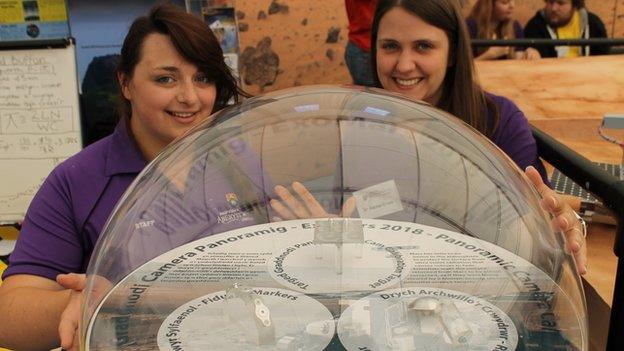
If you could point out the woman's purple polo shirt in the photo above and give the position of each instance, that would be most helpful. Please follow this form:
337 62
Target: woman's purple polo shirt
66 216
514 136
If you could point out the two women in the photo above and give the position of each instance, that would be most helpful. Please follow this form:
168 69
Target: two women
172 77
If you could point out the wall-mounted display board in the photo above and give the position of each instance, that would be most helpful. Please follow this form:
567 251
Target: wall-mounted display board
39 121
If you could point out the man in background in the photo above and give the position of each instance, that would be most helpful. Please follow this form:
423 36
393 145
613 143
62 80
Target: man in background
357 53
566 19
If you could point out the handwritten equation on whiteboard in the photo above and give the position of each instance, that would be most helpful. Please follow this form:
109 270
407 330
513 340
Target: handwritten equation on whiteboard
39 122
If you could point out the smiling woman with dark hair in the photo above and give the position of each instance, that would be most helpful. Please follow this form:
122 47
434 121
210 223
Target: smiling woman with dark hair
171 77
421 48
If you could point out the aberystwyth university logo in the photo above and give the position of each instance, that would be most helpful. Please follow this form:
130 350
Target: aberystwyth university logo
236 211
232 199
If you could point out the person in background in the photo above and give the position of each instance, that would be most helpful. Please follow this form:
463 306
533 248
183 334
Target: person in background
493 19
566 19
357 52
171 77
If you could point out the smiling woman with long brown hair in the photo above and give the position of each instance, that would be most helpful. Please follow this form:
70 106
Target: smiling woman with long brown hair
421 48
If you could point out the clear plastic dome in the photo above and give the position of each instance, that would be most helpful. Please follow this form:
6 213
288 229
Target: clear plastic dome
429 237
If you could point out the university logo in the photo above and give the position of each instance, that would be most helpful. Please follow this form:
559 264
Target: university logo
232 199
235 214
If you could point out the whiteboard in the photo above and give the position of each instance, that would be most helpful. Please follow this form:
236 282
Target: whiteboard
39 122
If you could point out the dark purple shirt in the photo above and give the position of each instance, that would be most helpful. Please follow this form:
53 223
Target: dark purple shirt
68 213
514 136
66 216
473 30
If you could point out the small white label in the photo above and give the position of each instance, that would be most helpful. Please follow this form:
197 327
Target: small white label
306 108
376 111
378 200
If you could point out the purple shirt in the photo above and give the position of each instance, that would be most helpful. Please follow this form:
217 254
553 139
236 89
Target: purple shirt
68 213
214 197
514 135
70 209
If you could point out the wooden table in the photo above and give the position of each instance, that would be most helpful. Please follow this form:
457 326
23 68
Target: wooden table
567 99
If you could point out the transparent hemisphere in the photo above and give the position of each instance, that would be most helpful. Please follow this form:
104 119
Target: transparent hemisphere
332 218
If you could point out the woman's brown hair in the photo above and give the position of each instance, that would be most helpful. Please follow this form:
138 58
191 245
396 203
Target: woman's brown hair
482 13
461 94
192 38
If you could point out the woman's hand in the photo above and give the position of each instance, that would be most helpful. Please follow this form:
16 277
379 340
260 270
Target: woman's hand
494 53
564 219
303 204
68 326
70 318
532 54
